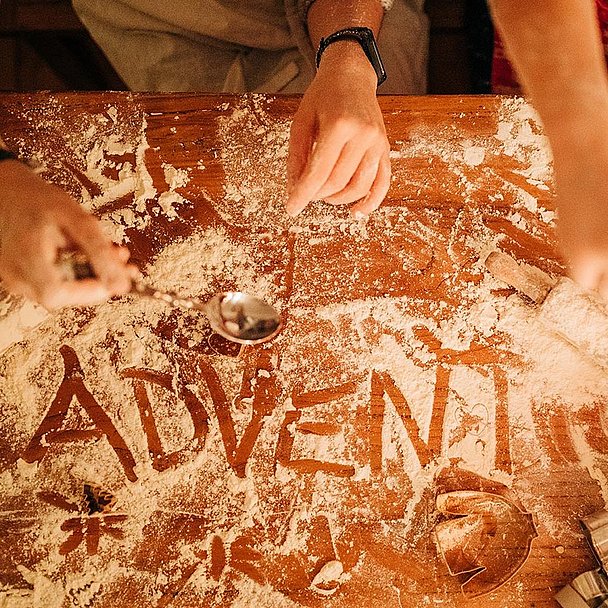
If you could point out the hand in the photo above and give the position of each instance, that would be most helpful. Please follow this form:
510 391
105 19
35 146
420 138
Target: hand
338 149
38 221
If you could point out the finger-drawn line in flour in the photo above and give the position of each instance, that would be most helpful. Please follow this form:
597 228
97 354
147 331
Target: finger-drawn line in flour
161 460
50 431
262 396
89 530
239 555
559 428
264 400
485 358
87 527
301 401
381 384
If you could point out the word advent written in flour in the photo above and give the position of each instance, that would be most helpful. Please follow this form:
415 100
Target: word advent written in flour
73 387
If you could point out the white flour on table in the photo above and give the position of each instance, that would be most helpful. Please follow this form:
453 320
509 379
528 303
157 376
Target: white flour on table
352 342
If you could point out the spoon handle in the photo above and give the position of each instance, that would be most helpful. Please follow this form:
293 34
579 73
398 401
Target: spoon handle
141 288
236 316
79 269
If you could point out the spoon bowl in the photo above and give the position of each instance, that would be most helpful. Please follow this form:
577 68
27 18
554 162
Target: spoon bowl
242 318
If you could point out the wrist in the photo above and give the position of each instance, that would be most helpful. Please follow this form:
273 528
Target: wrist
578 127
347 57
15 177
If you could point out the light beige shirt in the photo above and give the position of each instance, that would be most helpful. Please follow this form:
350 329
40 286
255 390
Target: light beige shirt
238 45
260 24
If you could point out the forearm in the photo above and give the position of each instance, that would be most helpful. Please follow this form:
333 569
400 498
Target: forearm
9 168
328 16
556 49
338 149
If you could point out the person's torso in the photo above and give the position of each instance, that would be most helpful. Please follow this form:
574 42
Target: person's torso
251 23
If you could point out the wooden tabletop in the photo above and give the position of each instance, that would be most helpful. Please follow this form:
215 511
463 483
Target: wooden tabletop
145 461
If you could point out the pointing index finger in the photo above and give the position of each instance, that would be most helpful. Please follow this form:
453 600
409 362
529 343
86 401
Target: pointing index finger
319 167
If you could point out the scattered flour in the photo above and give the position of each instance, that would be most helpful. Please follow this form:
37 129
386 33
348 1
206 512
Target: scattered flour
260 475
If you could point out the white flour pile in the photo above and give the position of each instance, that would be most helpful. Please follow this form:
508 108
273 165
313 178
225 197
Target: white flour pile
104 165
310 466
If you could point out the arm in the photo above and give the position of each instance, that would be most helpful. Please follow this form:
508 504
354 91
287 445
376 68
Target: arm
338 147
37 221
556 49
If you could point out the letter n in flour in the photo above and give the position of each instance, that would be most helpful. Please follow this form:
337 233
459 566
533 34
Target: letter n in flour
383 384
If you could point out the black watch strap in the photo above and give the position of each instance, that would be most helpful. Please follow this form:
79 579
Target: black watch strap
365 37
7 155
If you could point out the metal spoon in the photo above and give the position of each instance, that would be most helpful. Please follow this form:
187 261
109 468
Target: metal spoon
234 315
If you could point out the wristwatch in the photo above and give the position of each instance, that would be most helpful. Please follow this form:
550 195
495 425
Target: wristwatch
365 37
35 165
6 155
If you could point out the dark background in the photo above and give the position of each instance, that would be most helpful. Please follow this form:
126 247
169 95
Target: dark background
43 46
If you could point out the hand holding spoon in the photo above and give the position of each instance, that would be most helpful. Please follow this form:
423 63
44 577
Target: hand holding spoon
234 315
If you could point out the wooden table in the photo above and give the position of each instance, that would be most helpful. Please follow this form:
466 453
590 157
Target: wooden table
147 462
